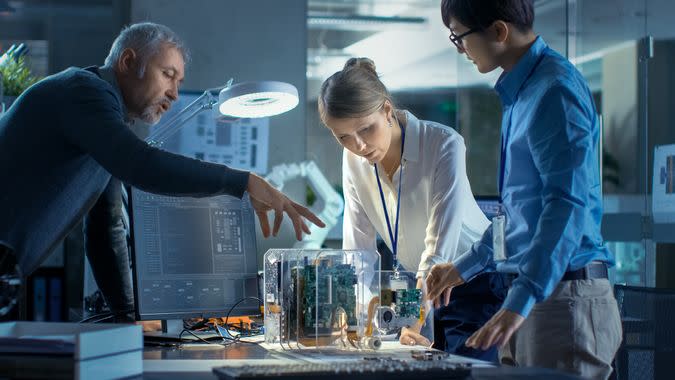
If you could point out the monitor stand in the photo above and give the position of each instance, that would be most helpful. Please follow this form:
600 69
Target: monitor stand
171 332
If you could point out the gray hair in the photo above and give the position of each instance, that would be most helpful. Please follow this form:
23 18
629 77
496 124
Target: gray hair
146 39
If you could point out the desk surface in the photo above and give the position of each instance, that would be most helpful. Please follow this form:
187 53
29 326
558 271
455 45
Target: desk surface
196 362
202 352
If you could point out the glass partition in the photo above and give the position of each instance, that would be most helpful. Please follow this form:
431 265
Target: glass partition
629 75
623 47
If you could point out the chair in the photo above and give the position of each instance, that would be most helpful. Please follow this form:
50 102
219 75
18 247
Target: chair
648 347
10 283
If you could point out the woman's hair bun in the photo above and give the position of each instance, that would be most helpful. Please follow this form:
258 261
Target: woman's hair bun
361 63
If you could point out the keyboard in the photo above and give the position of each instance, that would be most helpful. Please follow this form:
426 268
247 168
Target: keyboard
375 369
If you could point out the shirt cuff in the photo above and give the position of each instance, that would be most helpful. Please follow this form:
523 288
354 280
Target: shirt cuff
519 300
421 274
468 265
425 266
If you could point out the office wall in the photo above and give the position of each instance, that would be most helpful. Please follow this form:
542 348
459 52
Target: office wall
76 35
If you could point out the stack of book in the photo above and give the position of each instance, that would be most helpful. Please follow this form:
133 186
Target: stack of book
70 350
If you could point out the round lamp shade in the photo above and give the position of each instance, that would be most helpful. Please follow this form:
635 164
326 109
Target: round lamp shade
257 99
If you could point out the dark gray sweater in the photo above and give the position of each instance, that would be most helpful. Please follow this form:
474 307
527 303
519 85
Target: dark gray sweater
59 144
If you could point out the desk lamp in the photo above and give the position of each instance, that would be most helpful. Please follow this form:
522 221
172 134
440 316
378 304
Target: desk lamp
241 100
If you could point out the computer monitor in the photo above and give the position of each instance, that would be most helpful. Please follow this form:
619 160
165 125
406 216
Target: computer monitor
489 204
192 257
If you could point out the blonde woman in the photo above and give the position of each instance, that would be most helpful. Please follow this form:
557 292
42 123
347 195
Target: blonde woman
405 179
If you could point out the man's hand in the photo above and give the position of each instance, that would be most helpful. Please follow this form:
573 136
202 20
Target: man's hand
440 281
264 197
497 331
411 336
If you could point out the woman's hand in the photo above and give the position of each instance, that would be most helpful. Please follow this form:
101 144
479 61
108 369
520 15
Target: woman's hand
410 336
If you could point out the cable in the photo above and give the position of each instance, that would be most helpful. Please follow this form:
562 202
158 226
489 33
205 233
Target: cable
227 316
203 323
180 337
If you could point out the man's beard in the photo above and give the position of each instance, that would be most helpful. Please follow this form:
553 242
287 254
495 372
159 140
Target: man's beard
152 114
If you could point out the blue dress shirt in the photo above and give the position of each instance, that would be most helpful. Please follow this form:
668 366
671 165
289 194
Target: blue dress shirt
550 184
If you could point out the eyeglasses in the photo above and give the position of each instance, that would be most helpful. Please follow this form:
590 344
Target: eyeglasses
457 40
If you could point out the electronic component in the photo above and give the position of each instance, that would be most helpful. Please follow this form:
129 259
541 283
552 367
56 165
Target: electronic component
408 303
321 298
325 301
402 305
400 308
429 355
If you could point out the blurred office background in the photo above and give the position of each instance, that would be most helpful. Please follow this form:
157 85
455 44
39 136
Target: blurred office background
622 47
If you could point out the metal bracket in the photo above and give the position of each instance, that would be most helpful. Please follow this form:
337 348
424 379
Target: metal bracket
646 48
647 227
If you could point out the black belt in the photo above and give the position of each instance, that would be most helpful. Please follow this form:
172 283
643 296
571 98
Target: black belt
593 270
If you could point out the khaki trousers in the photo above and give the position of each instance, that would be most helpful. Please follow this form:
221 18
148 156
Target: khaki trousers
577 330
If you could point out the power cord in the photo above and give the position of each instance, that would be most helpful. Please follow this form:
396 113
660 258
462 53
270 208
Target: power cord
230 339
180 337
227 316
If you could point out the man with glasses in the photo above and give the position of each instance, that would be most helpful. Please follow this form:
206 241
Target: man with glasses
560 311
457 40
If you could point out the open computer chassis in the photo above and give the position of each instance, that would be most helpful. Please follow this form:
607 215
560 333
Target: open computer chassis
335 298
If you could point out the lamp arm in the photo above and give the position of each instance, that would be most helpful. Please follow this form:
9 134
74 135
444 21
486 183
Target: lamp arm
205 101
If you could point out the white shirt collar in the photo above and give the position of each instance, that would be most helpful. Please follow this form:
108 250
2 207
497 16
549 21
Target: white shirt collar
411 150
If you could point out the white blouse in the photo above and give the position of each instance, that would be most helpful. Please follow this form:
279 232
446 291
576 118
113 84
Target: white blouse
439 218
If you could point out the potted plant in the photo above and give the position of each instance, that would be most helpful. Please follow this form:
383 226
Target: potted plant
16 78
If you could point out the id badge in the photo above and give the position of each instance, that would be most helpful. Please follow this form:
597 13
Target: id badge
398 283
498 238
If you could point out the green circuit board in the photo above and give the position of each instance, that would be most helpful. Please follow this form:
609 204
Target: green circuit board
408 303
325 297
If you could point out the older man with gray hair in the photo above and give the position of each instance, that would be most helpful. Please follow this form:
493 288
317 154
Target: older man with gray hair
65 146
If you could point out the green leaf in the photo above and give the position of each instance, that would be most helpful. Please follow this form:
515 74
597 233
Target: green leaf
16 76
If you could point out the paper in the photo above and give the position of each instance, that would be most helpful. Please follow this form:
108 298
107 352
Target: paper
209 136
498 238
663 184
59 345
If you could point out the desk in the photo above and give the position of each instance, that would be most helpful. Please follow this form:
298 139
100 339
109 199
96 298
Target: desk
197 362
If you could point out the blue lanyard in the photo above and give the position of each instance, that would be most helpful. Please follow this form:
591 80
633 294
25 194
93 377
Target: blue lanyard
393 237
506 129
